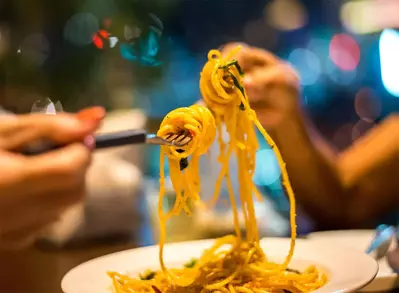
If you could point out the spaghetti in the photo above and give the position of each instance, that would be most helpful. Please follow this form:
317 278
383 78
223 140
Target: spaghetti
235 263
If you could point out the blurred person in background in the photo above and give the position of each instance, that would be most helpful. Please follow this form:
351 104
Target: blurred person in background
35 190
348 189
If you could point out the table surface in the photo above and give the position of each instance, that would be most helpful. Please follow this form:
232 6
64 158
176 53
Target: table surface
40 271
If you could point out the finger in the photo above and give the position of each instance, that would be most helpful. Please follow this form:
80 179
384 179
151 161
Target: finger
62 128
92 113
231 46
250 57
257 81
227 48
57 170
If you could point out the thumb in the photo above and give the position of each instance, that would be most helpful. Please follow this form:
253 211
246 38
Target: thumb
61 129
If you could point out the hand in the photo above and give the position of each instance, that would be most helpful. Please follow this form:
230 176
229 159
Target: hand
271 84
35 190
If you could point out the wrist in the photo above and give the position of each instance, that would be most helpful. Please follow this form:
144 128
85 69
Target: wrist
291 123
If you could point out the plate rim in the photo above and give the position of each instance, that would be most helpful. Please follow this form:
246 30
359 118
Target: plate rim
65 287
383 282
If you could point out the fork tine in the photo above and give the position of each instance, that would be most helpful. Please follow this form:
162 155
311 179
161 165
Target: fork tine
180 139
185 140
171 136
167 137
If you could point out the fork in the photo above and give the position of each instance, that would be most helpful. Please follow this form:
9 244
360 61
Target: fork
381 241
121 138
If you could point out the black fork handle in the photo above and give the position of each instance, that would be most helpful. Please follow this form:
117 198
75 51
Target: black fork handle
102 141
121 138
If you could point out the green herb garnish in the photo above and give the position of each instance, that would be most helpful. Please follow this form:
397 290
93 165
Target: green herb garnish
235 80
235 64
191 263
183 164
148 275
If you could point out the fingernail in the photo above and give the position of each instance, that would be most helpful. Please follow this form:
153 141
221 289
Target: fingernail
92 113
88 125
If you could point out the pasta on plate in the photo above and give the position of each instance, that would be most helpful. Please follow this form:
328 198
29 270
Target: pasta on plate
235 263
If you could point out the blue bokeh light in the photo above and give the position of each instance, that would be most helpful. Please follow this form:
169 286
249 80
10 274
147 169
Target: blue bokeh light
307 64
267 170
339 76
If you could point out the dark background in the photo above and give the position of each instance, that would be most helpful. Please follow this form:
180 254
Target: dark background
51 49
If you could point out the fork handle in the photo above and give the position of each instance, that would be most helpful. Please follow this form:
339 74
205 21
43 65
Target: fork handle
102 141
120 138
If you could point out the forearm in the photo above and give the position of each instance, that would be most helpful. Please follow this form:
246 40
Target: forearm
312 168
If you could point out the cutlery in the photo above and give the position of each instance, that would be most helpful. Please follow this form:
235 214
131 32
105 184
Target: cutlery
121 138
381 241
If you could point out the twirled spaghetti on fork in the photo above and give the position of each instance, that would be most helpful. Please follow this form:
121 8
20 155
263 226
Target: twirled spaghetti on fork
234 264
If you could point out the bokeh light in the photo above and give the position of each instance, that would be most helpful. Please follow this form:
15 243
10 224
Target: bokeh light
360 128
276 185
35 49
58 107
107 22
143 48
307 64
389 60
343 136
320 47
267 170
80 28
131 32
367 104
99 38
286 15
344 52
113 41
45 106
340 77
369 16
158 25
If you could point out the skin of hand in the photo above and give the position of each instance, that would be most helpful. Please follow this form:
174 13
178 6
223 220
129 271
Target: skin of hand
35 190
339 190
267 77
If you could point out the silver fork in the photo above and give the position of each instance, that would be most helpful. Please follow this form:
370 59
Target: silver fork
172 139
121 138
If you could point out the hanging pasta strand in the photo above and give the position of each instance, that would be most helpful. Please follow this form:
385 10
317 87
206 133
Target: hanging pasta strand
234 264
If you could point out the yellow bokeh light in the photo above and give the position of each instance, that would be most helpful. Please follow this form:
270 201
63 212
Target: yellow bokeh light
370 16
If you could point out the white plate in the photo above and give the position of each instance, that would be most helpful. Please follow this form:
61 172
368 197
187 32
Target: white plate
347 269
386 279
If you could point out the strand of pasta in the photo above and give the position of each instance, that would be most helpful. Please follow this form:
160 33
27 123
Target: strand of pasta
221 88
231 265
199 122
